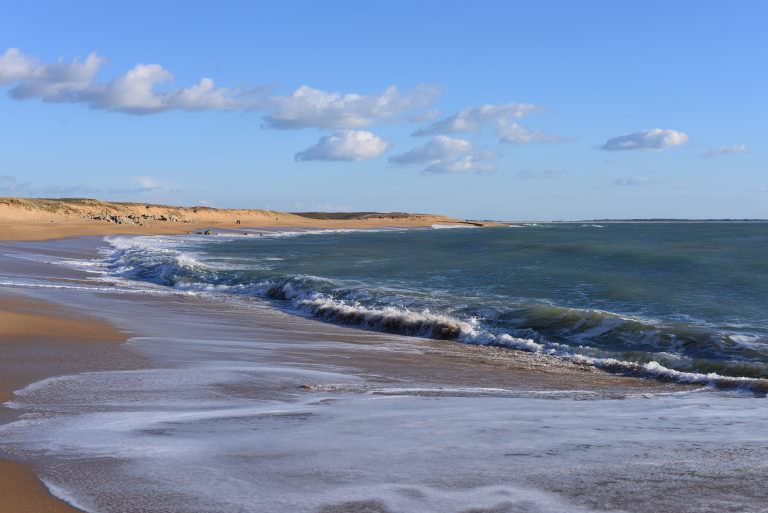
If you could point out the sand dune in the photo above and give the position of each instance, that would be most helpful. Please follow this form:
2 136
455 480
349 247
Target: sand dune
41 219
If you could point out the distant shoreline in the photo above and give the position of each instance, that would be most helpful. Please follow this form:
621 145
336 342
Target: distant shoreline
659 221
34 219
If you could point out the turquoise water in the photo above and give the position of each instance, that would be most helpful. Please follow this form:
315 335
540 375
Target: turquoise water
690 297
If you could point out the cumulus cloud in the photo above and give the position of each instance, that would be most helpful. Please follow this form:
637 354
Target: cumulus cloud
633 181
446 155
474 162
58 82
134 92
439 148
15 66
726 150
148 89
473 119
345 145
307 107
653 139
500 117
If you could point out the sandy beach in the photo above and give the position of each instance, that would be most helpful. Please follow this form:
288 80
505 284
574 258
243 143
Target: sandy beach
39 340
25 219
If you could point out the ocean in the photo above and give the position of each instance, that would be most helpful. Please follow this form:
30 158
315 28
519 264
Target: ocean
276 374
670 300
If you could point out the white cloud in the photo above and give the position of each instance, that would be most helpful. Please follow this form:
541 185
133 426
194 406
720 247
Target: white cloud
474 162
517 134
134 92
307 107
500 117
726 150
15 66
60 81
653 139
633 181
345 145
473 119
447 155
439 148
145 89
204 96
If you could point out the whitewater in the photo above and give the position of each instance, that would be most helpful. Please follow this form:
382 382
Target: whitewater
626 298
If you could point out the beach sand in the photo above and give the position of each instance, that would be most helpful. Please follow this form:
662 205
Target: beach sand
39 340
24 219
22 492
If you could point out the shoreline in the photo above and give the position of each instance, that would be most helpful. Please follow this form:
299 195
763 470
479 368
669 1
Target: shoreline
29 219
360 364
40 340
435 355
22 491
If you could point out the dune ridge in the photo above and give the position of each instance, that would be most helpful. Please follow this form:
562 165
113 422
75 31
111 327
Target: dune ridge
48 218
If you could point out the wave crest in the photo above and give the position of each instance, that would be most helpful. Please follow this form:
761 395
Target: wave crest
588 336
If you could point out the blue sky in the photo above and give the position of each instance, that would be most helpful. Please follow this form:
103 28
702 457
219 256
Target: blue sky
524 110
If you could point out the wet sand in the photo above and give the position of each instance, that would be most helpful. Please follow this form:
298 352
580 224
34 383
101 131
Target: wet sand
22 492
39 340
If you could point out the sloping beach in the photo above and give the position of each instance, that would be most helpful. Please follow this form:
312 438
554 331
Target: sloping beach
39 340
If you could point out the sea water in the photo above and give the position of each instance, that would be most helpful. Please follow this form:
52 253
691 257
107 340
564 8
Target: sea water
661 297
223 421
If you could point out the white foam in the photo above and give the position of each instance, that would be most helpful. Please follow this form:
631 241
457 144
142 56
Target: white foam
413 449
452 226
423 322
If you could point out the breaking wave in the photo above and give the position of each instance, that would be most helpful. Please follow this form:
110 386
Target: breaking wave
612 342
